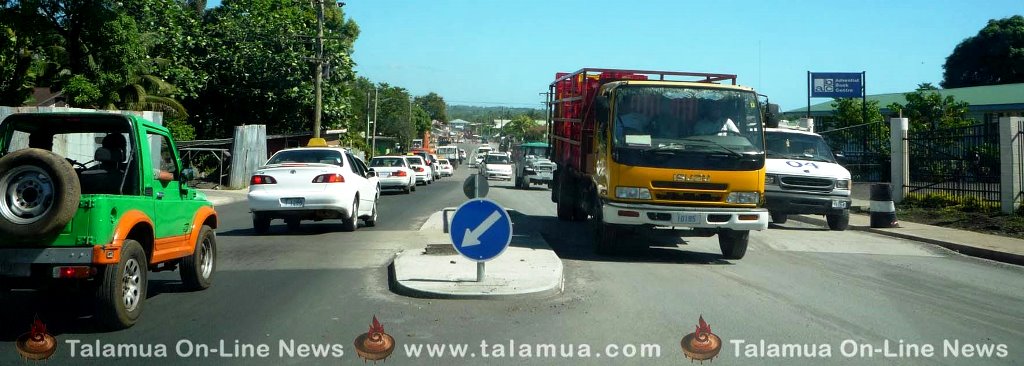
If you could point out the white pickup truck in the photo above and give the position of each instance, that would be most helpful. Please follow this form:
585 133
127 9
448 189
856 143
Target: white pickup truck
804 178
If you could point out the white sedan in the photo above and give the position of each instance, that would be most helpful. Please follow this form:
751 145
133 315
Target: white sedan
424 173
394 172
446 168
313 183
497 166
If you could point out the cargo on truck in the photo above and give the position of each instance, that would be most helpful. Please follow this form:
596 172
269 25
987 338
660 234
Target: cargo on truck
646 149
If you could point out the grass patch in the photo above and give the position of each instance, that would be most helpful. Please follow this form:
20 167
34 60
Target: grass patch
960 212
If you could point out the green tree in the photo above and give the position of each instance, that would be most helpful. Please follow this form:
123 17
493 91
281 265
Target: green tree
927 109
434 105
994 56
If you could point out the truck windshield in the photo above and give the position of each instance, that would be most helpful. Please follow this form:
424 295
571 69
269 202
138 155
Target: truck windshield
786 145
667 127
660 117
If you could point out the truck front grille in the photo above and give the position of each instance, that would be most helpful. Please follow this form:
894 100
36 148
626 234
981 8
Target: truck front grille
690 185
688 196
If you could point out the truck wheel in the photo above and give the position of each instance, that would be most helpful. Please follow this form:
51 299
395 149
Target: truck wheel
351 223
197 269
779 218
122 288
39 193
838 222
565 204
733 243
605 237
260 223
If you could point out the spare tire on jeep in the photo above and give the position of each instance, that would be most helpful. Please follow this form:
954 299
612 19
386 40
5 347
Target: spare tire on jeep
39 193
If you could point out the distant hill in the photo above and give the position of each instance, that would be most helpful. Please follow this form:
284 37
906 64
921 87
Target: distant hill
478 114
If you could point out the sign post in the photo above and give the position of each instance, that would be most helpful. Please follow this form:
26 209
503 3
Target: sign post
481 230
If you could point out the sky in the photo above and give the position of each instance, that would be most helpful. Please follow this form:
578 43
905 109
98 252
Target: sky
507 52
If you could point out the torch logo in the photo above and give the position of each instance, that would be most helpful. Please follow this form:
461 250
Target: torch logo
701 344
36 344
374 345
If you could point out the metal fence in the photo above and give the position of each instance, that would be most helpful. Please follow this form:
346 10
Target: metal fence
960 163
864 150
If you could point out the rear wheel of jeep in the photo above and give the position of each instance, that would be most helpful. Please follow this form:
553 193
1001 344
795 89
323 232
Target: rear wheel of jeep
197 269
122 288
39 193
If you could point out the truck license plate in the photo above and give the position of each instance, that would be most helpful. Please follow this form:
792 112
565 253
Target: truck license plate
838 204
293 202
688 218
545 175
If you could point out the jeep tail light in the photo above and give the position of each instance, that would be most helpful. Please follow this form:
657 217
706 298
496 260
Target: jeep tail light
329 178
400 173
73 272
262 179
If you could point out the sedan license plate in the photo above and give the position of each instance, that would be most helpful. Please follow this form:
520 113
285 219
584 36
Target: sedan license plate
293 202
384 174
688 218
838 204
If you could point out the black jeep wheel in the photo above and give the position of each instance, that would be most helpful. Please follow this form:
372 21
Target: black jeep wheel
197 269
39 193
122 288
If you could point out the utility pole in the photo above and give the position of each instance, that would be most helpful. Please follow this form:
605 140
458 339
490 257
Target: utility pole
373 143
368 118
318 81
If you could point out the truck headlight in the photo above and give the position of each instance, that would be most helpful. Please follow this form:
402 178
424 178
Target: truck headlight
769 179
743 197
842 183
632 193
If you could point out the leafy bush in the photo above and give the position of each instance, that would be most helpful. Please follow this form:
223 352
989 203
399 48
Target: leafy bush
181 130
950 202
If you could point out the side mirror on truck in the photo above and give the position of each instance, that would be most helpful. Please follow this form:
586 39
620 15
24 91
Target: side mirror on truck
601 102
772 116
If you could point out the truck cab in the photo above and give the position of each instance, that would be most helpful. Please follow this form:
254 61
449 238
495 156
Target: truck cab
646 149
803 177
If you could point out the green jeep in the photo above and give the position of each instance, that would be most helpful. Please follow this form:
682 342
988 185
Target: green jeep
95 201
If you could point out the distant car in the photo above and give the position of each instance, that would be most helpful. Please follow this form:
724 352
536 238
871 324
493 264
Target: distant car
476 161
435 163
497 166
313 183
424 173
394 172
446 168
462 156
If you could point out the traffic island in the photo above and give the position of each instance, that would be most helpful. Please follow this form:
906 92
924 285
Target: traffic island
517 272
527 267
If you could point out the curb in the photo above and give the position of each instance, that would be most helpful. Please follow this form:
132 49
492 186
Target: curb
956 247
398 288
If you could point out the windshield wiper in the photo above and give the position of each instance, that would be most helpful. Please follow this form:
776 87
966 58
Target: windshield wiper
723 147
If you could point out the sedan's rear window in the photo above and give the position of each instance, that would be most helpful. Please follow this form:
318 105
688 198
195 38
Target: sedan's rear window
496 159
387 162
308 157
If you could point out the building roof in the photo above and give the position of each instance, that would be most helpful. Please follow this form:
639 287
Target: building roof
43 97
535 144
458 122
978 97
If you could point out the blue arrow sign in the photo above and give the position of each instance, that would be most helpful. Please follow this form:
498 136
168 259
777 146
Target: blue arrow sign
481 229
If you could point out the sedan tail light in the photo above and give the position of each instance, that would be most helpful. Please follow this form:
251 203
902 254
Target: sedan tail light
262 179
400 173
419 169
329 178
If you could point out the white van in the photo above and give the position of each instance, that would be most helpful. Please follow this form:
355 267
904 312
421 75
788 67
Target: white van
804 178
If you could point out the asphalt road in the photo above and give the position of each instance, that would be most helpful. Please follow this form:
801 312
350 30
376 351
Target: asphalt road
798 284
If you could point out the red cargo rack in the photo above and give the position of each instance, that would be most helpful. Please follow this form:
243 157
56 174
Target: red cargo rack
571 126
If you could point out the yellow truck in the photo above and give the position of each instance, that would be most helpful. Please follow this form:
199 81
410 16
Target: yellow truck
647 149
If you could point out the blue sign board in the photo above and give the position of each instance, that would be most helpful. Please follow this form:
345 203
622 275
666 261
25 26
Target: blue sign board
481 229
836 84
